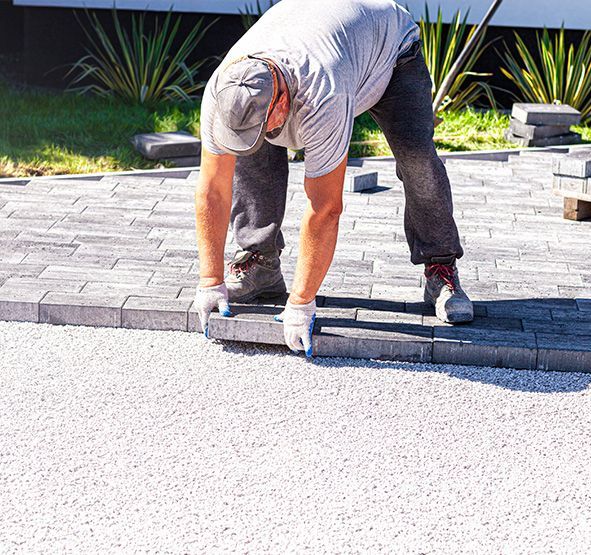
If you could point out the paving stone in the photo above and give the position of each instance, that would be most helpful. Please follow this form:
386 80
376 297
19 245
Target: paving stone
8 271
371 340
81 309
120 252
357 180
566 185
249 323
336 301
150 291
462 345
537 131
564 353
574 164
155 313
20 306
78 261
479 323
184 161
554 327
96 274
16 284
545 114
156 146
387 317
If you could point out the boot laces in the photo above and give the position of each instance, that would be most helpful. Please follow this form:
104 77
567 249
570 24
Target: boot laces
240 268
444 272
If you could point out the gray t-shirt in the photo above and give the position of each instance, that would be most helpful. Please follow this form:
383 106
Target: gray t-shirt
337 57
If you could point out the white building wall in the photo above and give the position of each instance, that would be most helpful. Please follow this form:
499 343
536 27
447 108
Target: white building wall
575 14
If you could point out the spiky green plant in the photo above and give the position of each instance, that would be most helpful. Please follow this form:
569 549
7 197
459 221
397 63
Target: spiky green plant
441 49
143 66
554 72
253 13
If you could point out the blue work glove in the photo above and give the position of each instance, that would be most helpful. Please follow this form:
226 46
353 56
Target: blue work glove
298 324
209 298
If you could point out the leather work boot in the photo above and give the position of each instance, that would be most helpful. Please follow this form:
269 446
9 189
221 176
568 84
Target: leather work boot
253 275
443 291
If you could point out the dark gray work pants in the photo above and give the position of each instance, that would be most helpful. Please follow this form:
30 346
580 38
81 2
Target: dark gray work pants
405 116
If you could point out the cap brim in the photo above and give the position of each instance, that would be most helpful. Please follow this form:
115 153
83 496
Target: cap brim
242 143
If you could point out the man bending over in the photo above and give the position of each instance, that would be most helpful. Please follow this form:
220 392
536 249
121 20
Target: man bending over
297 79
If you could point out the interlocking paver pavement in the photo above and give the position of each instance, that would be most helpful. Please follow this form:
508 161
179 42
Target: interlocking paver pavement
120 251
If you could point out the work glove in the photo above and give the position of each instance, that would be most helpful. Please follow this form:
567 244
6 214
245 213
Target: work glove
298 324
209 298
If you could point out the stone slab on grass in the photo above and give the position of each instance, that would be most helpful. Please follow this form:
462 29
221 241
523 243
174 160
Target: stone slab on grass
526 131
184 161
567 139
545 114
158 146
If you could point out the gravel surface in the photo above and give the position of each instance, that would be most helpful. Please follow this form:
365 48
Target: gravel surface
118 441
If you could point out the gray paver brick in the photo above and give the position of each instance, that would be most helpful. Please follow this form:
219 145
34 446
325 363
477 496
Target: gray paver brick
252 324
152 291
16 284
21 305
81 309
553 327
462 345
564 353
96 274
371 341
155 313
357 180
575 164
545 114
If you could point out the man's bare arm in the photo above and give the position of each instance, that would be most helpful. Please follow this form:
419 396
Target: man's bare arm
318 234
213 202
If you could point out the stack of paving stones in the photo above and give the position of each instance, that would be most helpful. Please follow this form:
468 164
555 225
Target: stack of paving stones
572 181
120 252
540 125
180 149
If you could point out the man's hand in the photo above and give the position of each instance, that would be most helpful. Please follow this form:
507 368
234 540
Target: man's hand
298 324
209 298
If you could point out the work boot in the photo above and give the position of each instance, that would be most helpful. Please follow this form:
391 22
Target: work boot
443 291
253 275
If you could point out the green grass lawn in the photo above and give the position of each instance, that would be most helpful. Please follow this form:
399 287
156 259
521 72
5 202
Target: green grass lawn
47 134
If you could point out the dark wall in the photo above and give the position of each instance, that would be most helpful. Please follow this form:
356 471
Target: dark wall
54 39
50 39
11 28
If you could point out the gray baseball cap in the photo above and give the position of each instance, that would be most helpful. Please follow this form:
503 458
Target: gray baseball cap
244 92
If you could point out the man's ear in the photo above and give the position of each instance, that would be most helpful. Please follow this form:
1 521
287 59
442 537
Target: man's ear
283 102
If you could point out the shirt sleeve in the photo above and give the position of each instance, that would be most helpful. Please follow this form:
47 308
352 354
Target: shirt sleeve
326 134
206 118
